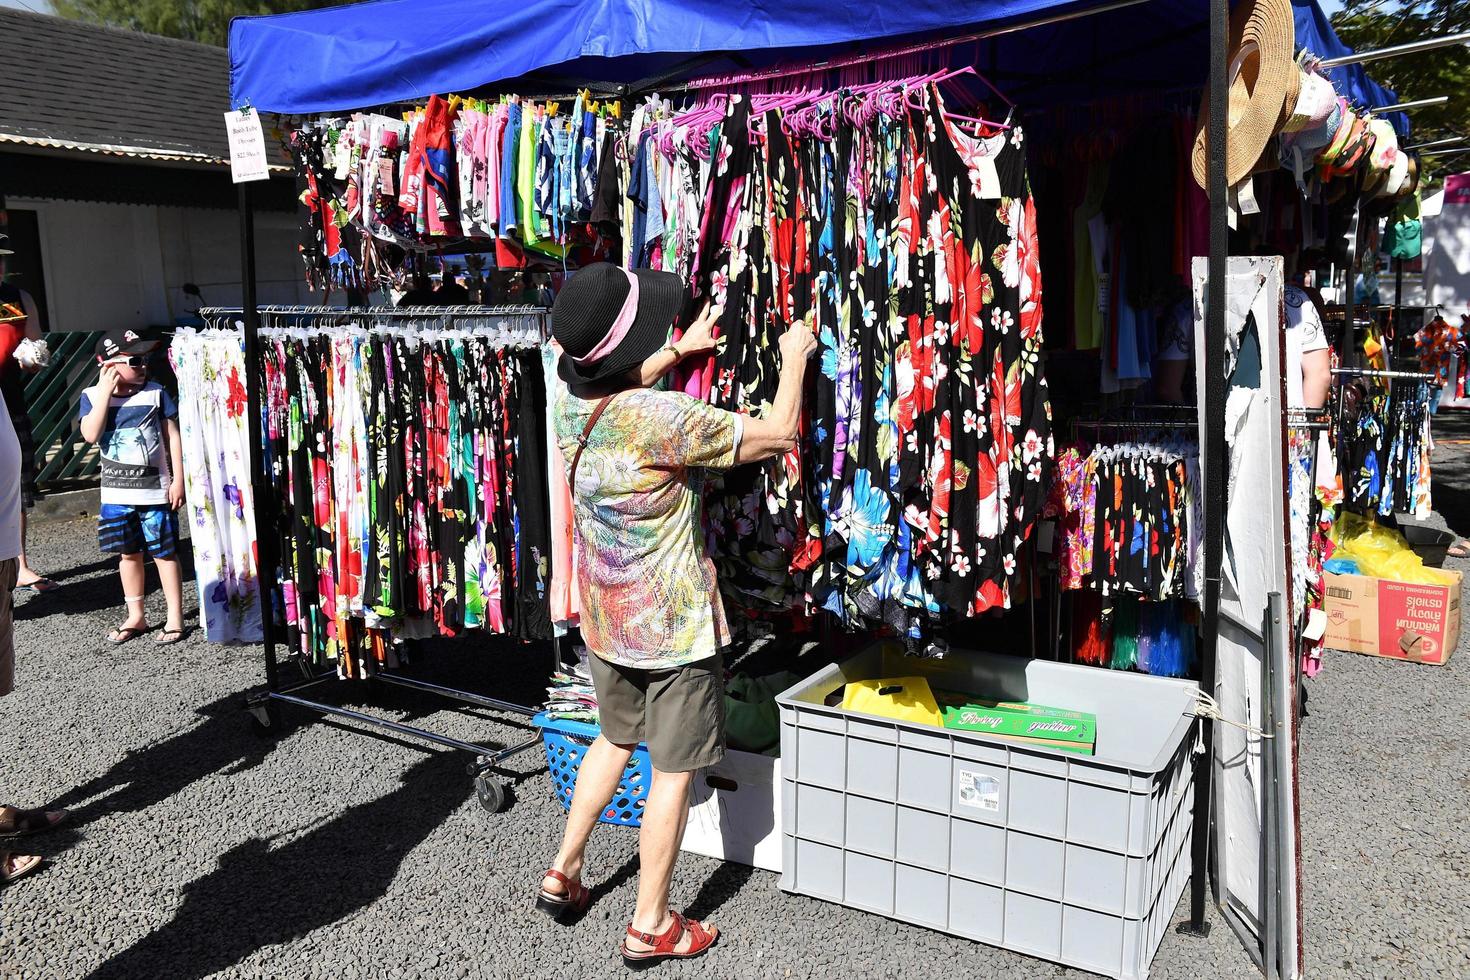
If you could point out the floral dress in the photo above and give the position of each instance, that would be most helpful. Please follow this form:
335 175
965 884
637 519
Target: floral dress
409 479
909 249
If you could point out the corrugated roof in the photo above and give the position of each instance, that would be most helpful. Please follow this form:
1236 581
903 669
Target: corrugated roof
71 86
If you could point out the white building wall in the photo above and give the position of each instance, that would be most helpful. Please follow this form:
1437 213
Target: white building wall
124 265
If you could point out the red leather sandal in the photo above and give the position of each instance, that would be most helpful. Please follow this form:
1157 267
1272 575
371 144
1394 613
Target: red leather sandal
664 946
564 907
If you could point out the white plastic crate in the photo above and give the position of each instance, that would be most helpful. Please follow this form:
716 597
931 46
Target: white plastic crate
1075 859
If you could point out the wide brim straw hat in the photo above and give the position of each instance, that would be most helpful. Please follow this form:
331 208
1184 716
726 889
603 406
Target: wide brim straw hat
1263 75
608 319
1270 154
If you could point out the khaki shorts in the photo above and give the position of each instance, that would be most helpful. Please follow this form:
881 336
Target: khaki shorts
679 713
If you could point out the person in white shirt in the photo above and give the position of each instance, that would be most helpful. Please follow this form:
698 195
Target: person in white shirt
14 822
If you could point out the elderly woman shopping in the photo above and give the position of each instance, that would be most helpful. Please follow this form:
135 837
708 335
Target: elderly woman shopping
651 611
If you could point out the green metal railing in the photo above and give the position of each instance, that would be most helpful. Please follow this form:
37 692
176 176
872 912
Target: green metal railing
52 395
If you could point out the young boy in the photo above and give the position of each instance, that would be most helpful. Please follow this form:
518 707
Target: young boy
136 425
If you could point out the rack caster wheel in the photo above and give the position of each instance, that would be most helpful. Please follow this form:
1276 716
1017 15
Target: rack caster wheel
492 793
265 720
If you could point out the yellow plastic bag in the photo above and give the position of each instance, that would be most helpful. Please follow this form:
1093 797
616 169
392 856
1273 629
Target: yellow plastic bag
1382 552
900 698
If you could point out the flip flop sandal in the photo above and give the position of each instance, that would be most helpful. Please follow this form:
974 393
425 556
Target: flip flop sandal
41 586
565 907
11 871
125 634
167 638
664 946
33 821
1460 549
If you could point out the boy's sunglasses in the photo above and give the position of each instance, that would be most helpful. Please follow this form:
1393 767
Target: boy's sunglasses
133 361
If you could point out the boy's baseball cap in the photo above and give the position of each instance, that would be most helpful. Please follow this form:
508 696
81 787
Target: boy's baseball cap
120 343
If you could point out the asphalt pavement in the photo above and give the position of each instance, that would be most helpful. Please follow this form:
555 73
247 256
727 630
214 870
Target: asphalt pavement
199 848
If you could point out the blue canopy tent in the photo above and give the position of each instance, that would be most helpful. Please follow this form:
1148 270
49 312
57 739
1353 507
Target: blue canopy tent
391 51
1041 52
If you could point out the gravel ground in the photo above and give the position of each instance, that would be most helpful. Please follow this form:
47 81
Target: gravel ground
201 849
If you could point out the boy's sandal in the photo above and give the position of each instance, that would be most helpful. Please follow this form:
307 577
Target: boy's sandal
567 905
14 867
26 822
119 635
168 637
665 946
40 586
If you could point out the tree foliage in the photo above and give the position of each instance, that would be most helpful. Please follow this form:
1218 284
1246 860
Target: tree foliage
205 21
1369 24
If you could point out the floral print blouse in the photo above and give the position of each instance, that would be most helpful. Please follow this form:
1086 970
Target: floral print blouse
648 592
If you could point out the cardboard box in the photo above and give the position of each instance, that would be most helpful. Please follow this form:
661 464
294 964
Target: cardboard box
1398 620
1032 724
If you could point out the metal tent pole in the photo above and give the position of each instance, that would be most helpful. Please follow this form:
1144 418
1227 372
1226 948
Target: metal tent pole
1413 47
1214 449
265 537
1416 104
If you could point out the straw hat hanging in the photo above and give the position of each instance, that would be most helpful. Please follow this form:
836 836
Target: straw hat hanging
1264 82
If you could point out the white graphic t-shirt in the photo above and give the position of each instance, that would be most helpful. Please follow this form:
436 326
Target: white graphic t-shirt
135 468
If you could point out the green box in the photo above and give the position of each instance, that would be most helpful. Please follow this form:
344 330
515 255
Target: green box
1034 724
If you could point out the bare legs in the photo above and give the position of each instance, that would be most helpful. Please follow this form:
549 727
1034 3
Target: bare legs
172 578
132 571
597 780
664 819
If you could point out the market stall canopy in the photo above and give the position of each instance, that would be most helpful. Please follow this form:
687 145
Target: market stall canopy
390 51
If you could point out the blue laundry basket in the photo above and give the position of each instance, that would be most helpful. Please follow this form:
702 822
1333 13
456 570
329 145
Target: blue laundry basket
566 744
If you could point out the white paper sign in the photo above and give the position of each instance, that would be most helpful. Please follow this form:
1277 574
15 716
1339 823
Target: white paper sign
247 146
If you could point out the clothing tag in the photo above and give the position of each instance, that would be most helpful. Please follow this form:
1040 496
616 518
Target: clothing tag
386 174
1103 280
344 156
1046 533
1246 195
989 179
1316 624
247 146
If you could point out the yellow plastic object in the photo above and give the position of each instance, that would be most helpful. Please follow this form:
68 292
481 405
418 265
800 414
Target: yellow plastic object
1382 552
900 698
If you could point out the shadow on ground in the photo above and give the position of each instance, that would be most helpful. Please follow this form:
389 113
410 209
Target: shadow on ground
220 743
1451 468
263 895
83 591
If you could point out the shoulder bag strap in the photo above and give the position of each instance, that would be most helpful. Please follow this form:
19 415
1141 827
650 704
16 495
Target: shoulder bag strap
582 440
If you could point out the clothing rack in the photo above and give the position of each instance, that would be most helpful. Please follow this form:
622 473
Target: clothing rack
1373 373
264 705
1308 419
1131 419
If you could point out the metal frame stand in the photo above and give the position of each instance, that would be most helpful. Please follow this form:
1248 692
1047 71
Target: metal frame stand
264 705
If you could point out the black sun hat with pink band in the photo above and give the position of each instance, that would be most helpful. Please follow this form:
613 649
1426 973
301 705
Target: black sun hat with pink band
119 343
608 319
